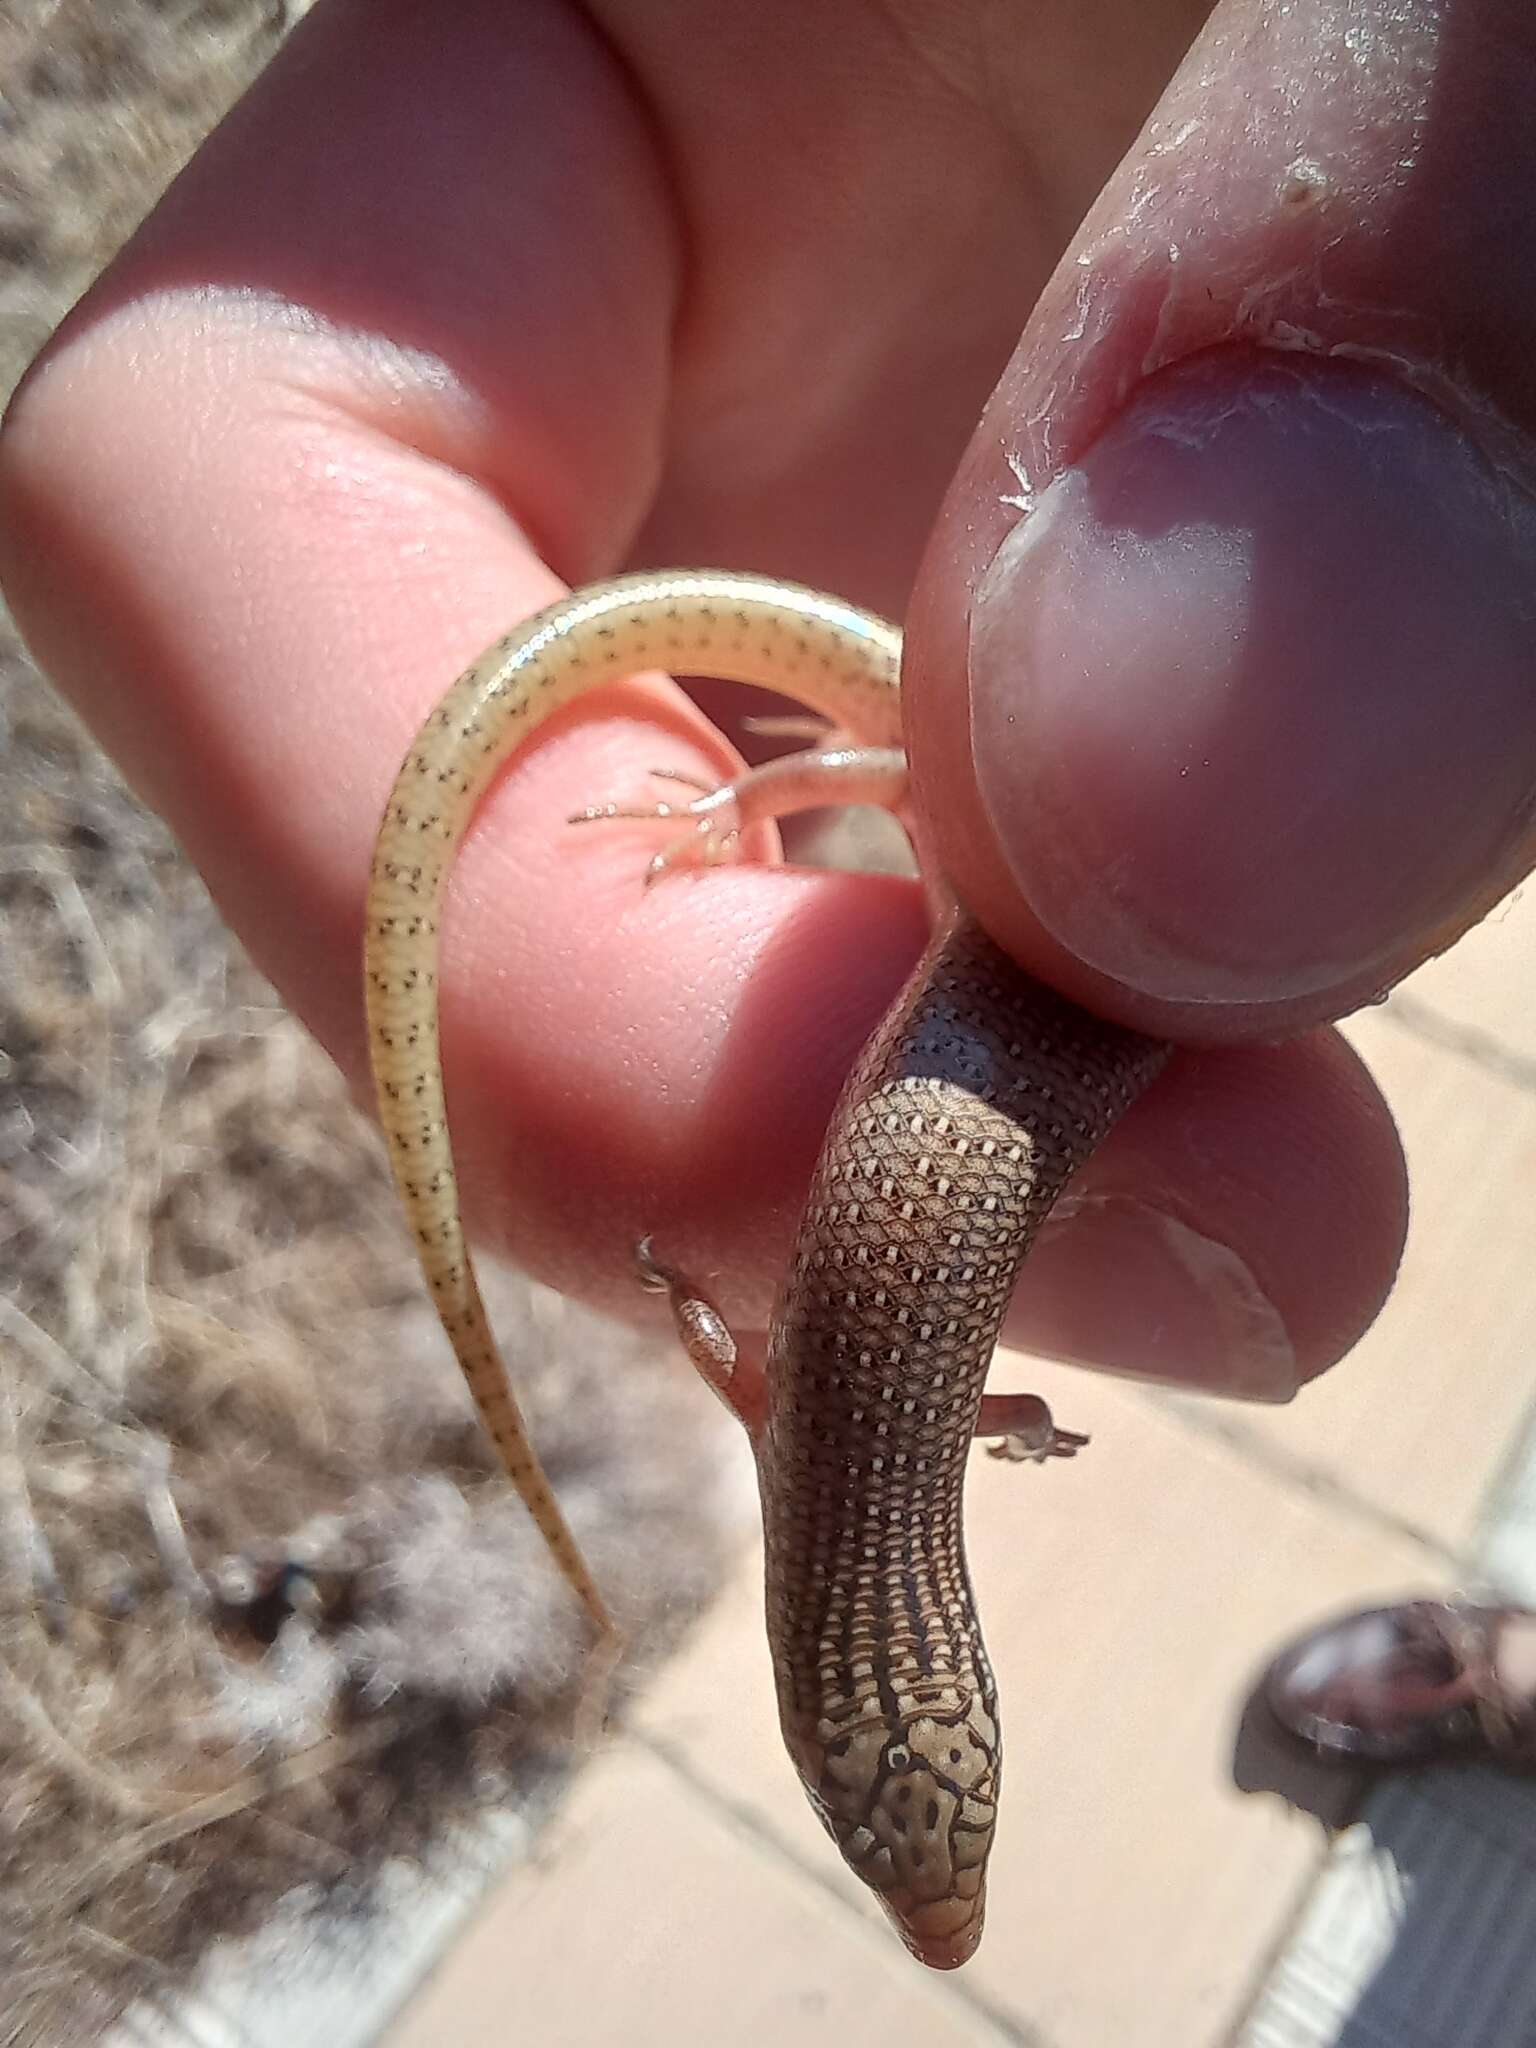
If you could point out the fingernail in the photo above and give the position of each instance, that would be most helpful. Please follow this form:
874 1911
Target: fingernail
1250 687
1137 1292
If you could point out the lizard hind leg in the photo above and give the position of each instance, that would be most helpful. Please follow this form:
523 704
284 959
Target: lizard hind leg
705 1336
807 781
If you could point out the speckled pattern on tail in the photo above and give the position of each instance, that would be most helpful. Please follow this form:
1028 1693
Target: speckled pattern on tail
826 653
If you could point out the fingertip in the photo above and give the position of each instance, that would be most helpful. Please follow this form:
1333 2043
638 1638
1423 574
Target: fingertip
1255 742
1239 1232
1273 613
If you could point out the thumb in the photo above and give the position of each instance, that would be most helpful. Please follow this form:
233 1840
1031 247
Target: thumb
1226 626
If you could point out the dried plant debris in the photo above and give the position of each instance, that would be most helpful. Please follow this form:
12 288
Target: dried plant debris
101 102
267 1617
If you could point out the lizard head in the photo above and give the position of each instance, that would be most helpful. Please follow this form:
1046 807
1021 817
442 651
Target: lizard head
911 1800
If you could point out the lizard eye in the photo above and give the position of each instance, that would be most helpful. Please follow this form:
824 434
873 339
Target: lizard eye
898 1757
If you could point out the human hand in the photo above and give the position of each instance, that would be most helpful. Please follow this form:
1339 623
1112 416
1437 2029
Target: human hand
459 307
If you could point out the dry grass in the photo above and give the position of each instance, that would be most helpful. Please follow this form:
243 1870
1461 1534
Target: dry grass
266 1618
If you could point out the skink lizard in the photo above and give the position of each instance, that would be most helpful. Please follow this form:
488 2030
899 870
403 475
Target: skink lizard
977 1098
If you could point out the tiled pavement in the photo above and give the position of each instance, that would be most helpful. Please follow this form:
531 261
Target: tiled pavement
1138 1897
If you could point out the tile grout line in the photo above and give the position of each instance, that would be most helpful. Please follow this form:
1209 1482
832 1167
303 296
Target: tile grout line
1298 1474
1481 1049
1505 1498
742 1819
1263 1974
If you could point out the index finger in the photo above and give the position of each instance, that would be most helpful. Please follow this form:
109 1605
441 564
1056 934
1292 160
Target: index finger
322 433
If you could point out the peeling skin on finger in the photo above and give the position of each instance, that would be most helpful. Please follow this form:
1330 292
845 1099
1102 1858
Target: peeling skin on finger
1278 219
